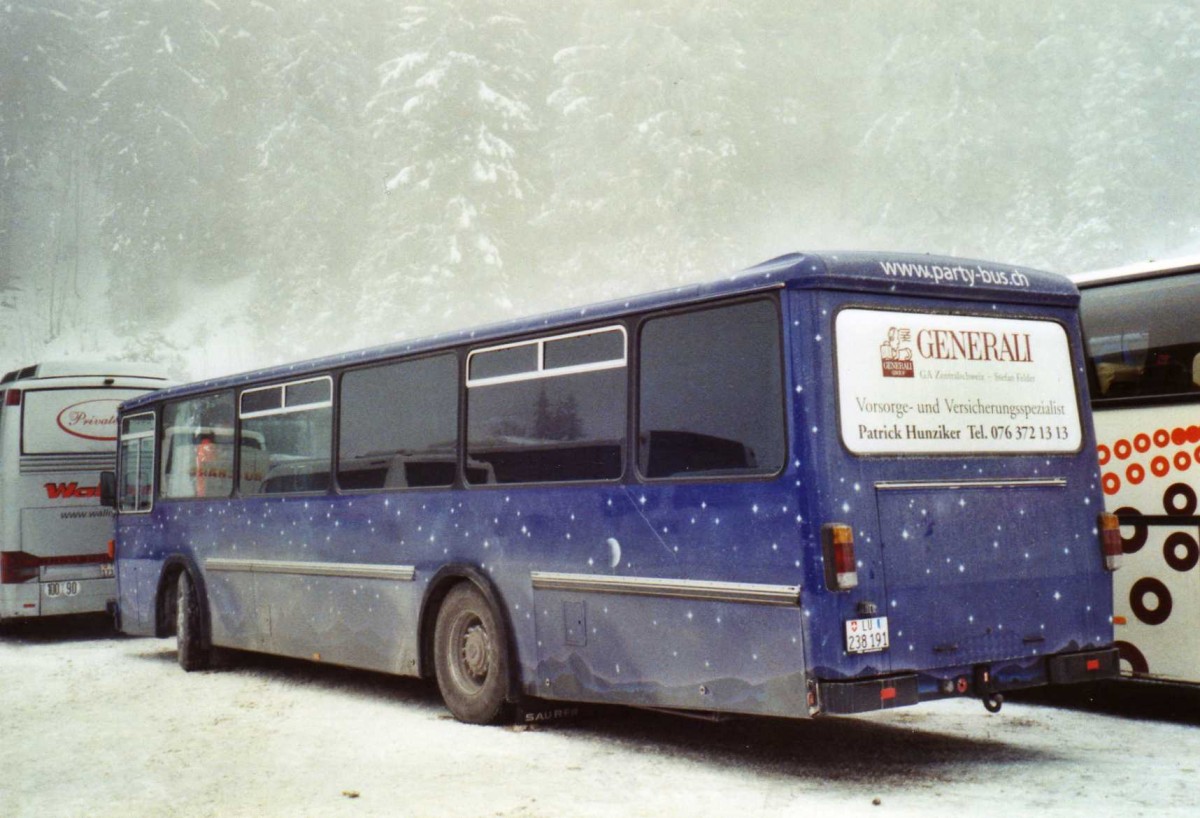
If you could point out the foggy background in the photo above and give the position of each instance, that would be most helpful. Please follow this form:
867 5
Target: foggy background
220 184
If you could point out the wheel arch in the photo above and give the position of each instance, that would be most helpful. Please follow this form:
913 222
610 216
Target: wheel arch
164 597
435 594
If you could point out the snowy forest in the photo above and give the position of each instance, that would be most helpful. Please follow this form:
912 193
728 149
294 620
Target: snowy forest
219 184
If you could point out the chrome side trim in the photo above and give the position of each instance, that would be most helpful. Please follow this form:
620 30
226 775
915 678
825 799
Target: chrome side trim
1017 483
400 573
745 592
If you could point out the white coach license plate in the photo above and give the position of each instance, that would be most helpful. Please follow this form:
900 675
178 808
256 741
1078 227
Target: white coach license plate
70 588
866 635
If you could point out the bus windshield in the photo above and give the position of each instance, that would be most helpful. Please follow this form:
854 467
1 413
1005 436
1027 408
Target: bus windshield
948 384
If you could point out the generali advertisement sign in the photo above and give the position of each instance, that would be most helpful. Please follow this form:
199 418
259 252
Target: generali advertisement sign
921 383
60 421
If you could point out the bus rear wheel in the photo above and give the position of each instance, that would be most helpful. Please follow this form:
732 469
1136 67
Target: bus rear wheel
193 653
470 654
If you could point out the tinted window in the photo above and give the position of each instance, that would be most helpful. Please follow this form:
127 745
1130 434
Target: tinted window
580 350
127 491
1142 337
197 447
399 425
137 424
308 392
498 363
550 427
262 400
711 393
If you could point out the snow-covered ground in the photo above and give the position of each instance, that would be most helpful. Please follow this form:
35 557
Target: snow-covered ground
94 725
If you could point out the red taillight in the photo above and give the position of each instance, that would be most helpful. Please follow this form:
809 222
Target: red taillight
17 566
112 549
1110 540
12 397
841 571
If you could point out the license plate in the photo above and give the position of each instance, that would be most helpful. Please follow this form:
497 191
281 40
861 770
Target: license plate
69 588
867 635
106 570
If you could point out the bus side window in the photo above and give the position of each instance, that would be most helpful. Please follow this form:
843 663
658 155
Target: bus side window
548 410
127 491
711 397
287 437
399 425
197 447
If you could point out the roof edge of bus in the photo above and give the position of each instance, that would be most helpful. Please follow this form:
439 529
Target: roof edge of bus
947 277
87 369
913 274
1140 269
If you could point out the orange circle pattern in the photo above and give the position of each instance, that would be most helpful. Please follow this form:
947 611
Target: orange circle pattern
1142 442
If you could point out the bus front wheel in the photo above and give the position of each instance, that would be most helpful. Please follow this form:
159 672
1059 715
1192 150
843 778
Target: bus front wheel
471 657
193 653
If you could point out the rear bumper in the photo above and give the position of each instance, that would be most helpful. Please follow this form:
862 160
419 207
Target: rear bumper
34 598
847 696
1088 666
867 695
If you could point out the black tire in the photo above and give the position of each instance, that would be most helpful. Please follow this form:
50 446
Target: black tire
470 655
193 651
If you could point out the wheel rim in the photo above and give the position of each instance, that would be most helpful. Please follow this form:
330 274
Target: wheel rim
473 653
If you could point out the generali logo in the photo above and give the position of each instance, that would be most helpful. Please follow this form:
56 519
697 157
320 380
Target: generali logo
975 345
70 491
90 419
895 355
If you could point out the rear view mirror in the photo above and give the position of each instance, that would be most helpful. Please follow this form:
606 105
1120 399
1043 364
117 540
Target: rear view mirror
108 489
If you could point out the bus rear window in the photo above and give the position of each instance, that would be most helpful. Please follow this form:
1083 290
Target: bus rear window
66 421
928 384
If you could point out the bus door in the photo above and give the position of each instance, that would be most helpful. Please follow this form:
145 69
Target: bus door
963 487
135 500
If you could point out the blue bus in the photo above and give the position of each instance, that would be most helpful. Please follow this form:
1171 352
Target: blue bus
827 485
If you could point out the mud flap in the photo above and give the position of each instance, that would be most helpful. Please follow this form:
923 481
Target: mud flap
865 695
1088 666
529 710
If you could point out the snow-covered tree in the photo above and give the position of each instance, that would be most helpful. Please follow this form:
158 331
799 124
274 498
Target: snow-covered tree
304 176
171 110
1132 134
312 183
653 131
47 185
452 124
